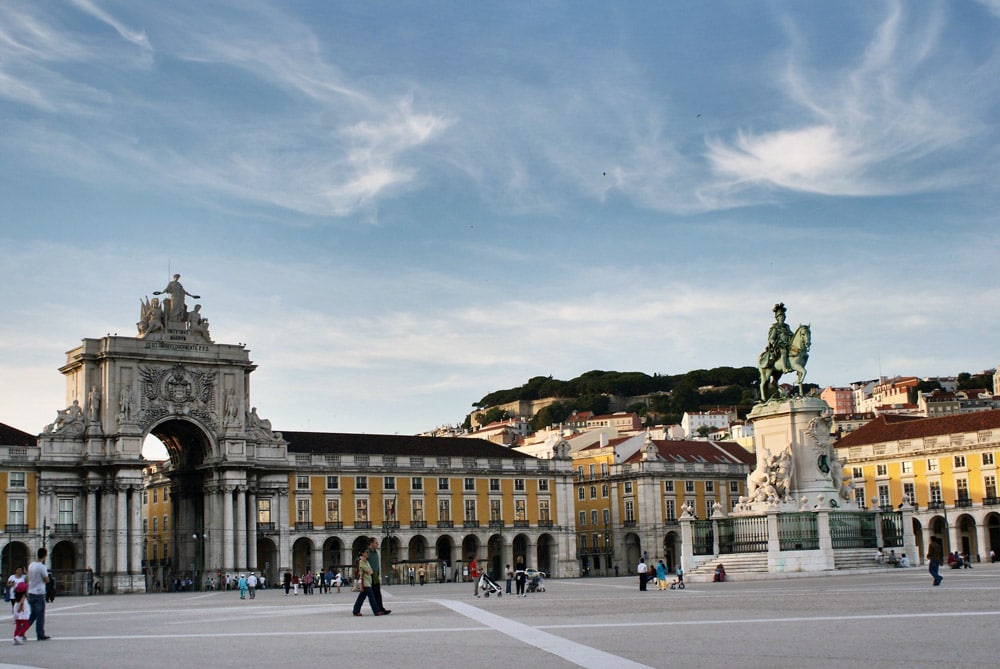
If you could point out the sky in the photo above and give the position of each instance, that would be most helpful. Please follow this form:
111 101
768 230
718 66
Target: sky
400 207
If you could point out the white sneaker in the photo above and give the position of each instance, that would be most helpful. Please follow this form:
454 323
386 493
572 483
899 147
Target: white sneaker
18 640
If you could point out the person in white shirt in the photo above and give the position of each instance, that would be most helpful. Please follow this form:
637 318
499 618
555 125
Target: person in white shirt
38 578
252 585
643 570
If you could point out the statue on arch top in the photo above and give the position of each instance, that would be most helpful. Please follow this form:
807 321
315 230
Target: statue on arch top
786 352
176 308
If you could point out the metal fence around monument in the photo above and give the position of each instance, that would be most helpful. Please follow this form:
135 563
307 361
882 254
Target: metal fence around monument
744 534
798 531
703 537
852 530
892 529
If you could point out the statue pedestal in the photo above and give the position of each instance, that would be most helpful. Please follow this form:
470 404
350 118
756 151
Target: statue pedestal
795 458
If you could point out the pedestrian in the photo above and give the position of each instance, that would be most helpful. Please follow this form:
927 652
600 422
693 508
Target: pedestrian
935 552
287 581
474 573
365 574
509 573
422 575
22 612
993 556
338 580
661 575
520 578
242 584
680 574
412 573
12 582
252 585
373 561
643 570
295 585
38 578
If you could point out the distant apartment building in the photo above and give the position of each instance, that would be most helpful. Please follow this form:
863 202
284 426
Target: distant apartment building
716 421
622 420
841 399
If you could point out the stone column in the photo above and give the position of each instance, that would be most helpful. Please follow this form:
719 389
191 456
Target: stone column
241 528
135 530
121 530
687 542
227 528
982 542
284 544
773 538
91 530
825 538
252 530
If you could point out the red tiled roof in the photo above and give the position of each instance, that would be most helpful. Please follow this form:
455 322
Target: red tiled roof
888 427
11 436
394 444
712 452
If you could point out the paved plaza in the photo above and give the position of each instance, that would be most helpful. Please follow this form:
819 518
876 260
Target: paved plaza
887 619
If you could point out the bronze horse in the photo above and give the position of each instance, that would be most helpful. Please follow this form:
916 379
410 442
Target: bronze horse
772 370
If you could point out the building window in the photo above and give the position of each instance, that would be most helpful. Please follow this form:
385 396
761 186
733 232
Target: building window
583 518
263 511
154 495
145 525
416 483
734 487
389 509
668 486
156 525
859 498
910 492
470 485
417 510
389 483
988 458
932 465
583 542
607 516
881 470
333 510
361 510
519 485
166 494
990 486
302 483
444 510
333 483
593 492
543 485
65 516
959 462
17 480
857 473
709 486
670 509
629 511
495 516
302 511
145 497
579 472
604 490
628 487
907 466
962 488
470 510
689 486
935 492
520 512
543 512
443 483
166 522
494 485
593 471
883 496
361 483
581 493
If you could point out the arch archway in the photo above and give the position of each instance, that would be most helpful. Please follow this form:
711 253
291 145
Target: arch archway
939 529
418 548
14 555
967 542
302 556
267 559
333 550
671 550
494 552
544 550
63 561
519 547
992 523
633 551
918 538
444 548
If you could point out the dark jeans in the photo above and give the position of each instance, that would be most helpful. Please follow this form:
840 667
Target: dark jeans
377 592
370 594
508 585
932 567
37 604
643 579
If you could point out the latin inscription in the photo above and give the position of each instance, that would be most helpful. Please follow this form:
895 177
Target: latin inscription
171 346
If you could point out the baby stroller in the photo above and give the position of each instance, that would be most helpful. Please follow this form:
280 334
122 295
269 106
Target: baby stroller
489 586
536 584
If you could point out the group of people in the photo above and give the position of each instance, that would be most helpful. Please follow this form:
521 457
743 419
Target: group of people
28 593
310 583
517 577
891 559
657 573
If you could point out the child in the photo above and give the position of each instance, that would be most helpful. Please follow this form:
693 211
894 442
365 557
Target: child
22 612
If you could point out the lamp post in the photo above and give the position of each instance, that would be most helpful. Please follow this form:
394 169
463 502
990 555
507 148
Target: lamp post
388 523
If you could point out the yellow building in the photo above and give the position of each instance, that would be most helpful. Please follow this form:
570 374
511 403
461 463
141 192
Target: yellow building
945 467
630 490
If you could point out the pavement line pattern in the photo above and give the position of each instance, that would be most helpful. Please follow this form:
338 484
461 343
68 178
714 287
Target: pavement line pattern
571 651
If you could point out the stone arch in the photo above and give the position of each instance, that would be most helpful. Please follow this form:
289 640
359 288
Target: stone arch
918 538
939 528
494 556
417 548
545 553
63 561
302 556
333 552
633 551
991 522
444 549
15 554
267 560
671 550
967 542
519 547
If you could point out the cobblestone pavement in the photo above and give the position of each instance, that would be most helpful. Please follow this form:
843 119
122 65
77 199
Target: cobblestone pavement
889 619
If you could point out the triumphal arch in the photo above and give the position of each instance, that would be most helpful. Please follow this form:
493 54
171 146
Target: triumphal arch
172 381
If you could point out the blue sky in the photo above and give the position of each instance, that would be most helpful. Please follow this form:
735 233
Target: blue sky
402 206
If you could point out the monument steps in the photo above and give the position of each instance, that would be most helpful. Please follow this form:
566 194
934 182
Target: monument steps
739 567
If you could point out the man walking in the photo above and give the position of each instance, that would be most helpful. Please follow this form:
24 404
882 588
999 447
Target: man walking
643 570
935 553
373 560
38 577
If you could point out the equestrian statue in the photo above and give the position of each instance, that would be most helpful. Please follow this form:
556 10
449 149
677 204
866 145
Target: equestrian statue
786 352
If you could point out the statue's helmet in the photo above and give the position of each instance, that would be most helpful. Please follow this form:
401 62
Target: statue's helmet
779 308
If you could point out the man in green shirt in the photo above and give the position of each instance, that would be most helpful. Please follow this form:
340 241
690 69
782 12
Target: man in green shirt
373 560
